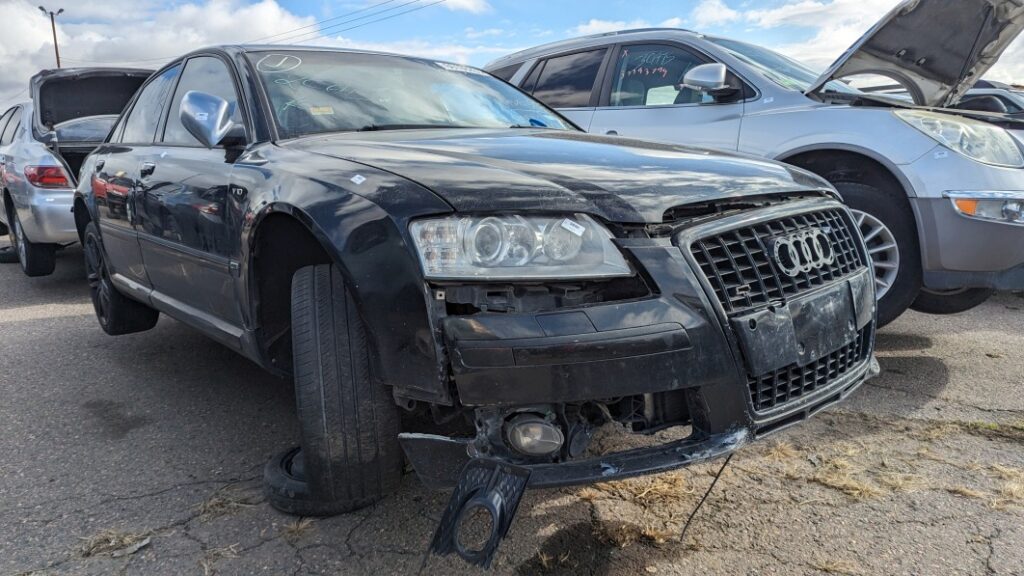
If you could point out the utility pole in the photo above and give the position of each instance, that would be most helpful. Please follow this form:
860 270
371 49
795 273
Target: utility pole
53 26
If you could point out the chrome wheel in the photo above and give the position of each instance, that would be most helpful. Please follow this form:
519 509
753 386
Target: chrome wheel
19 241
884 252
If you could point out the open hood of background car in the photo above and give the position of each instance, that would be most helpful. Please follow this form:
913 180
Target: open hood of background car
618 179
937 49
70 93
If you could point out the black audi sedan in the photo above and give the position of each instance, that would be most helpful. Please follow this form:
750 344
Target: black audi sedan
418 243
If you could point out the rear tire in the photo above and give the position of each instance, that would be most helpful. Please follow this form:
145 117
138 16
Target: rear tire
350 455
895 216
36 259
116 313
951 302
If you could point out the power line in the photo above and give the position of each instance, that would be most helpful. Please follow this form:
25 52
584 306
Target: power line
315 24
385 18
15 97
250 41
320 31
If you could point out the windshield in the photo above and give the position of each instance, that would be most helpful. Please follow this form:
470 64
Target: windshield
780 69
88 129
317 92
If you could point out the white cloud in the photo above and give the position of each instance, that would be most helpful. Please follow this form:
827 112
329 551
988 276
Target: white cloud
713 13
473 33
474 6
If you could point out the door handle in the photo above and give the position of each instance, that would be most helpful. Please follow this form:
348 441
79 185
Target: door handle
146 169
612 133
99 164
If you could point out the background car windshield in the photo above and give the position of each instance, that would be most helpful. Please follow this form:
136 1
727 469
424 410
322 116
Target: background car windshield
316 92
784 71
89 129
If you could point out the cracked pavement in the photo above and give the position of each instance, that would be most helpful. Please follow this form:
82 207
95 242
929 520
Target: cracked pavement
163 435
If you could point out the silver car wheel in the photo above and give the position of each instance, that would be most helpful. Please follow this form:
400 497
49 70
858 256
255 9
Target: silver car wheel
884 252
19 240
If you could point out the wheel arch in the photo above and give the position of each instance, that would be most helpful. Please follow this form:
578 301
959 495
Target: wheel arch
82 217
850 160
284 235
370 249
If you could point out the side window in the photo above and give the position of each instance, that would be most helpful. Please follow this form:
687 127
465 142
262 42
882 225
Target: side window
141 124
652 75
203 74
568 81
507 72
12 128
531 81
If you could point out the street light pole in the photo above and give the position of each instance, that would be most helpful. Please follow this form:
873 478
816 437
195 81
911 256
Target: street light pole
53 26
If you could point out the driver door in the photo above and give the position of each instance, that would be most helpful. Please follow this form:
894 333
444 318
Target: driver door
189 230
647 100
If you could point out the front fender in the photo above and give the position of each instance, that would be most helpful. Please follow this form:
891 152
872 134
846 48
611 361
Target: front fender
366 236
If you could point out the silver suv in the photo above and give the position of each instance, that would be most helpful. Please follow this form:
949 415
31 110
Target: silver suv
940 197
42 145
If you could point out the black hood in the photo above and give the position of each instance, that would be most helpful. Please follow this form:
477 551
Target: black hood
70 93
620 179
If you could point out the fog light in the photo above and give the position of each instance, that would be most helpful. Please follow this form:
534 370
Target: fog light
532 435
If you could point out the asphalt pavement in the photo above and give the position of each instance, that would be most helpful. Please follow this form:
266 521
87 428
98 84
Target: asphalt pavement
143 454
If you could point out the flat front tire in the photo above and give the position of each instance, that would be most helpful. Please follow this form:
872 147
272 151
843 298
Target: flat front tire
117 314
349 455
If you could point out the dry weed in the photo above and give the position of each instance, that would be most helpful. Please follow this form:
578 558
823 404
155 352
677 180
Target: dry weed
109 541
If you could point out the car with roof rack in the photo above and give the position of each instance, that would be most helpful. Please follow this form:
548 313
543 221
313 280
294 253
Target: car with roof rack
934 189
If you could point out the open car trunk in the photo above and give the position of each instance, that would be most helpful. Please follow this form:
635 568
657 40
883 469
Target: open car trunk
73 105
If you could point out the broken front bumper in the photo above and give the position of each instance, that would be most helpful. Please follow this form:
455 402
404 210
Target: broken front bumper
739 361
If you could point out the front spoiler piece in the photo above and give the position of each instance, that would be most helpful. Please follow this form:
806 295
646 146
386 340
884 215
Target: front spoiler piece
438 460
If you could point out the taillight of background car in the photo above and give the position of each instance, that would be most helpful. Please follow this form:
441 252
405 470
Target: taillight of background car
47 177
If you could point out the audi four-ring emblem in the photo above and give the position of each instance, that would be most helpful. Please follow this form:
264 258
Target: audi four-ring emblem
803 252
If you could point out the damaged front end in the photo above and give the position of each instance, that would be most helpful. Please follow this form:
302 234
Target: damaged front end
742 319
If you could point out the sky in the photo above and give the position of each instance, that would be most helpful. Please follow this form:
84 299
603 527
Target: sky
148 33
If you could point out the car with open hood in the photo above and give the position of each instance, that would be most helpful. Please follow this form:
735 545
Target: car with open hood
992 96
417 243
934 189
43 142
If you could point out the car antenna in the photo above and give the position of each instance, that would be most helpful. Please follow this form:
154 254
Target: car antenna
682 535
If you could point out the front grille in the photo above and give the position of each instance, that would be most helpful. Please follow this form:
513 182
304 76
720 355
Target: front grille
742 269
793 382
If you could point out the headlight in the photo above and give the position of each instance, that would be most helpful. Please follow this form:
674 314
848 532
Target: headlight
517 248
972 138
996 206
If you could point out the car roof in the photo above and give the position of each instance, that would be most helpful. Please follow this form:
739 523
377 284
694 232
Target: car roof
234 49
593 40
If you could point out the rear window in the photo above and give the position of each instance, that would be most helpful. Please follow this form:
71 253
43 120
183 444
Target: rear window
11 129
507 72
91 129
568 81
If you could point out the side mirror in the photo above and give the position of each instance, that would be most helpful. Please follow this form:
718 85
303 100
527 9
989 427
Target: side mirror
208 119
706 78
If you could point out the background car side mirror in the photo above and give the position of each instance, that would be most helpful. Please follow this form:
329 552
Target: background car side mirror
709 78
208 119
